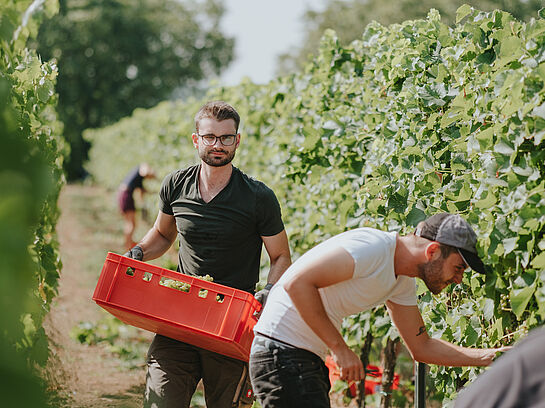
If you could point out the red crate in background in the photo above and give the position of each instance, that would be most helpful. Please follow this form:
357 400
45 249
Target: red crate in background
372 385
208 315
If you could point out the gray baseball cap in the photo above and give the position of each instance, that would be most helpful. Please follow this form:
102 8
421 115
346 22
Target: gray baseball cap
453 230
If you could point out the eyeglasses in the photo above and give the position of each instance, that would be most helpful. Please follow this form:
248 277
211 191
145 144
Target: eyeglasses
226 140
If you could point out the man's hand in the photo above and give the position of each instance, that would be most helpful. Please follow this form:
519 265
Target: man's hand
492 354
350 365
136 253
261 296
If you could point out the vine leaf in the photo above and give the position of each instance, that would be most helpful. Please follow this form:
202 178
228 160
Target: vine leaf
463 11
519 299
539 261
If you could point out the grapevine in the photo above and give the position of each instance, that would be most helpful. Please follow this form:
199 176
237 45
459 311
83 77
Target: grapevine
413 119
31 177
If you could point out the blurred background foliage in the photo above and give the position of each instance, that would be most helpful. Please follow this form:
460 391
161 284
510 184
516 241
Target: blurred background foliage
118 55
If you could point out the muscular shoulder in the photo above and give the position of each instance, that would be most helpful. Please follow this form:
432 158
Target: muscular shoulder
176 182
367 246
180 176
255 186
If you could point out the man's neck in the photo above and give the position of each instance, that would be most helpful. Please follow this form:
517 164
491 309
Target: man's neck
213 179
406 256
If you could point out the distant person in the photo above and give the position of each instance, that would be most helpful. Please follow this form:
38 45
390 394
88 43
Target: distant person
222 218
515 380
346 274
133 181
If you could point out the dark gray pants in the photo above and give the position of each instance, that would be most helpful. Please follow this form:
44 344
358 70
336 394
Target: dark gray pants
175 368
288 377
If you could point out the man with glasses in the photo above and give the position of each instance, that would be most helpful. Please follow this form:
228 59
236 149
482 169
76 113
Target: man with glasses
222 218
346 274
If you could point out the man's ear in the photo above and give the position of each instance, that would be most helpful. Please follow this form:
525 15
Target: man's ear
195 138
433 251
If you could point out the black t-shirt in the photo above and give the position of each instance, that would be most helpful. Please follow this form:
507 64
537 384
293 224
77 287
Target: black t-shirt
515 380
221 238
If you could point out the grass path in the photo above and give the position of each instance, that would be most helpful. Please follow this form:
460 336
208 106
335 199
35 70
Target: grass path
87 375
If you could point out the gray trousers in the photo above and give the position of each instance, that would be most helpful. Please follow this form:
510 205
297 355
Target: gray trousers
175 368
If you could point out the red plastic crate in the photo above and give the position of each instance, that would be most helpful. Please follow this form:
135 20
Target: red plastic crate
211 316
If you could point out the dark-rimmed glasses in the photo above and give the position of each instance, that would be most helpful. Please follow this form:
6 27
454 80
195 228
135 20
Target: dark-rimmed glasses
226 140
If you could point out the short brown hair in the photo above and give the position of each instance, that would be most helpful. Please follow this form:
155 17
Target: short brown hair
218 110
446 250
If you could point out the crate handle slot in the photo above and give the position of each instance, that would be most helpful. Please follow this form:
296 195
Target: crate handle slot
147 276
130 271
175 284
203 293
220 298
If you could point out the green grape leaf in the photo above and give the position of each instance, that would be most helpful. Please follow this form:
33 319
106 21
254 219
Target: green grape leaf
486 202
519 299
471 336
539 261
415 216
487 306
509 244
462 12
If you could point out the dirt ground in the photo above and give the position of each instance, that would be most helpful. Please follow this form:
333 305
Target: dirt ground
80 375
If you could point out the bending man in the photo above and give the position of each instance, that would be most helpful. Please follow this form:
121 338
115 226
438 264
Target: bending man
349 273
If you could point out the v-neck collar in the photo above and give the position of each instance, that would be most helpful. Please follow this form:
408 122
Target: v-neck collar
199 195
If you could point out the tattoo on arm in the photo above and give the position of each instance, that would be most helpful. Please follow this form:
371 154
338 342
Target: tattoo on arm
421 330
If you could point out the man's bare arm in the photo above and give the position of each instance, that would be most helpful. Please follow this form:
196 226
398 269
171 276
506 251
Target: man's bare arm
279 254
312 273
428 350
160 237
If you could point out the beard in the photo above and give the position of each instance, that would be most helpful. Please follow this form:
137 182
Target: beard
206 156
430 272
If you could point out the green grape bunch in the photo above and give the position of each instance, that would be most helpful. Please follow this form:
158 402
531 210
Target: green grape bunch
174 284
182 286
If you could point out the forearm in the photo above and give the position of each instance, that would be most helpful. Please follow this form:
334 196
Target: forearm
329 267
279 254
440 352
434 351
154 244
278 267
308 302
